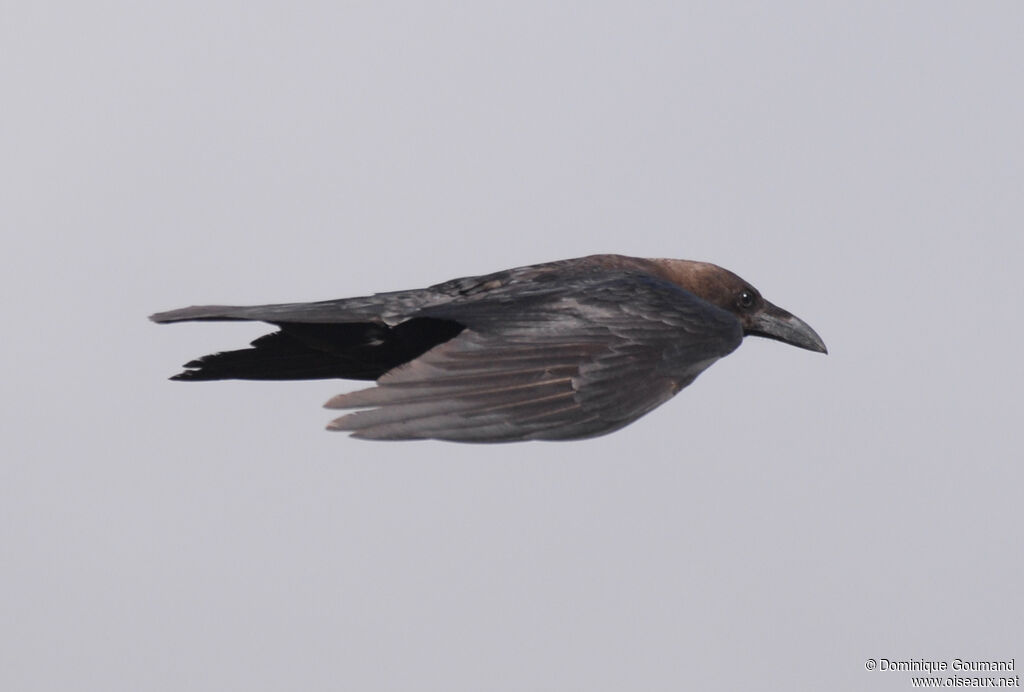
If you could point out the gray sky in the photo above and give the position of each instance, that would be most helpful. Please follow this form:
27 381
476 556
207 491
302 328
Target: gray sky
781 521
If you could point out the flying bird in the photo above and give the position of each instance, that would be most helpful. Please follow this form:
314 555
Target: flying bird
557 351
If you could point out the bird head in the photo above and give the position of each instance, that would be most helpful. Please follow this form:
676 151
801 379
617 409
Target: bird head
722 288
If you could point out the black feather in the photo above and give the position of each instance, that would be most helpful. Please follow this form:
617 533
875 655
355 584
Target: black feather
310 351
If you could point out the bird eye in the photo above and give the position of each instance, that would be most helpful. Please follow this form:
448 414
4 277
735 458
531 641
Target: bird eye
746 298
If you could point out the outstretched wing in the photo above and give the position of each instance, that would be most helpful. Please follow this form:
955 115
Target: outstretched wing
576 362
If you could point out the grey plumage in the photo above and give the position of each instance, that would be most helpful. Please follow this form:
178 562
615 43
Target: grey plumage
563 350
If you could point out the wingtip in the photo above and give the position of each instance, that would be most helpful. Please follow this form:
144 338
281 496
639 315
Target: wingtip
163 317
338 425
334 402
360 398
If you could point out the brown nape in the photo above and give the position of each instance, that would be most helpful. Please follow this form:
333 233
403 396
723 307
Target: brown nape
718 286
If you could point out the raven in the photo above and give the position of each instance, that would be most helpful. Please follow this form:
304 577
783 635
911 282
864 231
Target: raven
557 351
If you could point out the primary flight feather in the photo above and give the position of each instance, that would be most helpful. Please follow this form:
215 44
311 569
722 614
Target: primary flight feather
557 351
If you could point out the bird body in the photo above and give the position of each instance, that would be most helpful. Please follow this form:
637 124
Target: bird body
562 350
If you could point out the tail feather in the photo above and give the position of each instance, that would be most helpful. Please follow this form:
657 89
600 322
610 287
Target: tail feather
200 312
339 311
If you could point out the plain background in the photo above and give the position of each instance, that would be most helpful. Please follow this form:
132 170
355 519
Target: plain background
782 520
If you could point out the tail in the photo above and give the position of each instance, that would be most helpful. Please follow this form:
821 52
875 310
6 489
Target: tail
313 350
327 312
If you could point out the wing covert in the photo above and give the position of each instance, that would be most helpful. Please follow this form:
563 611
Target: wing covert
576 362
